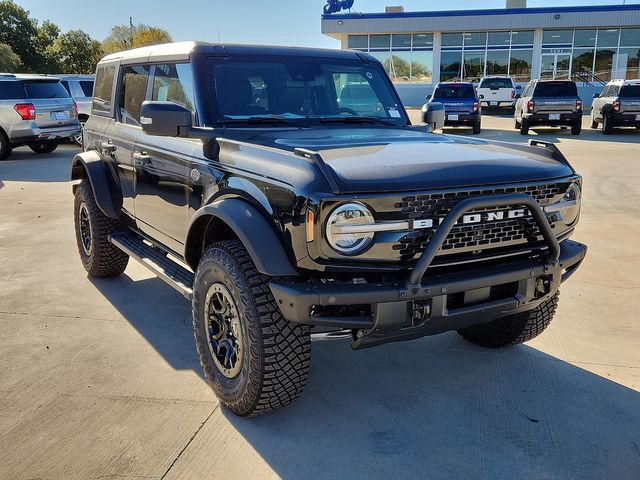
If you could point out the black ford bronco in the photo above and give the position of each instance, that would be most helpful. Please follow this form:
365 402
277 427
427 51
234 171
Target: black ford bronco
281 207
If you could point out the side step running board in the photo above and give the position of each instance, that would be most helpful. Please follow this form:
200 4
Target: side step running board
166 269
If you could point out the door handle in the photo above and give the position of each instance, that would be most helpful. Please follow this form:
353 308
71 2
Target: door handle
107 147
141 158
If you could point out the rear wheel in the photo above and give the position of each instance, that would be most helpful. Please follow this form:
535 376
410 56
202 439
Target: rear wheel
477 127
514 329
576 128
46 146
5 146
100 258
254 360
524 127
607 124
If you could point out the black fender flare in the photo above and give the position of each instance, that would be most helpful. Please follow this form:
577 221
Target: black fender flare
250 226
105 188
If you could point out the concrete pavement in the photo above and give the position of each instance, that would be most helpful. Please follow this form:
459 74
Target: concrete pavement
99 378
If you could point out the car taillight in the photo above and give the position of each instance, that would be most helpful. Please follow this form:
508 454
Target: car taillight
476 106
616 105
578 105
513 94
530 106
26 111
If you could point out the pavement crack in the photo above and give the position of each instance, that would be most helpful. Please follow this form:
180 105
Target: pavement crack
195 434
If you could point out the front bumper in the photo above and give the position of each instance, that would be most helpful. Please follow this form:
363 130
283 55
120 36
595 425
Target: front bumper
427 304
565 119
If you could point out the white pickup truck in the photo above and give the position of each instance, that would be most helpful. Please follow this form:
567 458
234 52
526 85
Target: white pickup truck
497 92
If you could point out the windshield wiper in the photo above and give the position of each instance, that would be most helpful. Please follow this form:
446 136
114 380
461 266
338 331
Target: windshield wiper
357 119
261 120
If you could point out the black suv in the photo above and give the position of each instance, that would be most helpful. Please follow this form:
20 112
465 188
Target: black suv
553 103
243 178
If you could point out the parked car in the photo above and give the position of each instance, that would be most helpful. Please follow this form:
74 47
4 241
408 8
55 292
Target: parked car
35 110
80 87
617 106
549 103
289 214
360 97
497 91
461 104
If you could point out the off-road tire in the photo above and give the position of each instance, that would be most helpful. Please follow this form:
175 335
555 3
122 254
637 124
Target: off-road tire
607 125
593 124
5 146
46 146
514 329
517 124
477 127
524 127
576 128
275 353
105 259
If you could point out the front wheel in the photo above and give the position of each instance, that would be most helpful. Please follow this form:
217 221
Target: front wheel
253 359
593 124
607 125
46 146
514 329
524 127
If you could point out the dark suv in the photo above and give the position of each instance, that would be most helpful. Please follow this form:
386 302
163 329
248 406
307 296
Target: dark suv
461 104
553 103
238 176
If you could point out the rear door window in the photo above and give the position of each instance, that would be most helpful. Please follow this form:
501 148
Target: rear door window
12 90
630 91
556 89
87 87
174 83
39 90
133 91
103 97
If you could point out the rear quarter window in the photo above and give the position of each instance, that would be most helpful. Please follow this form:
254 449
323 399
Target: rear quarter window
87 87
40 90
103 97
12 90
556 89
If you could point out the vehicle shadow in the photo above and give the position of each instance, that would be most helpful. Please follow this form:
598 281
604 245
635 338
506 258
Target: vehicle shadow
437 407
25 166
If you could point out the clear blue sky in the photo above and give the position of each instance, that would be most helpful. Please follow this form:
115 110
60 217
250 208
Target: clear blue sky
280 22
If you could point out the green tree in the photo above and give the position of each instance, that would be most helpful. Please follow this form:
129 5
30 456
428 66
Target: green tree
124 37
47 34
76 52
9 61
19 31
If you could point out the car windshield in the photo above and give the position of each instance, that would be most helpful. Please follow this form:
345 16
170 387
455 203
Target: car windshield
38 89
454 91
556 89
300 91
496 83
630 91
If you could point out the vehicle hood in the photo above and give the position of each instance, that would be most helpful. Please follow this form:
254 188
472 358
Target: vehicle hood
407 159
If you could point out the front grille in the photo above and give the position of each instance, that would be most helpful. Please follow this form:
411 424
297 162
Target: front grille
474 238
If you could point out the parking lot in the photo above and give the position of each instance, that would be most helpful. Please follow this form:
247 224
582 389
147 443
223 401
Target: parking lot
100 377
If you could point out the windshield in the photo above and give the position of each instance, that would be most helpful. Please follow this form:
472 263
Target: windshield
556 89
630 91
496 83
39 89
454 91
300 91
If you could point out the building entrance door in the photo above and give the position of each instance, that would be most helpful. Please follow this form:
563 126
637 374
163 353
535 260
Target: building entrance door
555 66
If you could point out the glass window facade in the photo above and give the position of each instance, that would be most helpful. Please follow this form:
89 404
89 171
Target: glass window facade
405 57
606 53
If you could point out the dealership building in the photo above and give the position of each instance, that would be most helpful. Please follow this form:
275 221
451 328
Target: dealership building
589 44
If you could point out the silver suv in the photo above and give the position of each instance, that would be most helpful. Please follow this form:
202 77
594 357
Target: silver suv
35 110
80 87
617 106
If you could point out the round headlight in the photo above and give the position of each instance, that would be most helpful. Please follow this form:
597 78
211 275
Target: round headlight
340 236
571 202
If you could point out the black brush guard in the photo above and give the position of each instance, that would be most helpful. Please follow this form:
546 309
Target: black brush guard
394 304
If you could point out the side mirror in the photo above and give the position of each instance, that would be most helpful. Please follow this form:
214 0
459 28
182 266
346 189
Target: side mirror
165 119
433 114
428 97
596 95
518 87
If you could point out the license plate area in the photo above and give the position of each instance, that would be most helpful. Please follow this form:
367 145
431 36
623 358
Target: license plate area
452 117
637 118
493 104
59 115
554 116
